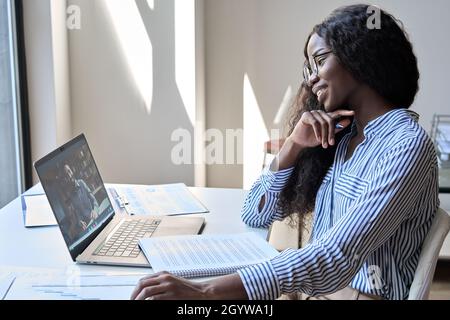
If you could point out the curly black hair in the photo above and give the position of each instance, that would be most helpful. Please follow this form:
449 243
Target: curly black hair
381 58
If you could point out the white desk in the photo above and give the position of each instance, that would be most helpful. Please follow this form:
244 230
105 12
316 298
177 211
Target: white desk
45 248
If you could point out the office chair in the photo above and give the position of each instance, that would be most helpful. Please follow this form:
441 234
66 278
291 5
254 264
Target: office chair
420 288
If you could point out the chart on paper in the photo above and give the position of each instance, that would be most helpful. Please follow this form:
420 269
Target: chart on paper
39 286
167 199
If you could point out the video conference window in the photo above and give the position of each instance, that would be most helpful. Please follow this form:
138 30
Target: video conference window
76 191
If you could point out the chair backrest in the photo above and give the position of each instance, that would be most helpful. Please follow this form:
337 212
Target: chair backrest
420 288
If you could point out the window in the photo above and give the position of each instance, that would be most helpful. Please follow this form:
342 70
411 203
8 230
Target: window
11 164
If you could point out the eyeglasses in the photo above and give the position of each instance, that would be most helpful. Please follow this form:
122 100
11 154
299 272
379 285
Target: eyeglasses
318 61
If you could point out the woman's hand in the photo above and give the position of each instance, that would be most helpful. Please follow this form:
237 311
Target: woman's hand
165 286
319 128
313 129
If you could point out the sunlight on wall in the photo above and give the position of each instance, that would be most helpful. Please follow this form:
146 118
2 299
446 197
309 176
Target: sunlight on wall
151 4
185 54
255 134
284 107
136 44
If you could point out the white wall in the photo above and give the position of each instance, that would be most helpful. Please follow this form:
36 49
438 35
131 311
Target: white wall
61 71
48 79
131 140
200 94
265 39
80 80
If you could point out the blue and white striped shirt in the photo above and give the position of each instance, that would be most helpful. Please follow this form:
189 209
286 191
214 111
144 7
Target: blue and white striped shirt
371 216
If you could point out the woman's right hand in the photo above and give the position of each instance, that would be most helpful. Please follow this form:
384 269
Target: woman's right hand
314 128
319 128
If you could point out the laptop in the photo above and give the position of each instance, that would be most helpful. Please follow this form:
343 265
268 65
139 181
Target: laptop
92 230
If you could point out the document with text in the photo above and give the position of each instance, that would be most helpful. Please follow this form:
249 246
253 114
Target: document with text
206 255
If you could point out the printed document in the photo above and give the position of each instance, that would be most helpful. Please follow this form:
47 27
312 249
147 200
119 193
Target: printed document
166 199
206 255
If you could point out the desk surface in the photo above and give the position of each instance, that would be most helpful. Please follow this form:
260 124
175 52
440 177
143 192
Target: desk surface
45 248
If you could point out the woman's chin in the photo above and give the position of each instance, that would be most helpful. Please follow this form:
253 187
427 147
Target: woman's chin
330 107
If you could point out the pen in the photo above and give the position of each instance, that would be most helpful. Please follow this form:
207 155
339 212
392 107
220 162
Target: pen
128 211
124 204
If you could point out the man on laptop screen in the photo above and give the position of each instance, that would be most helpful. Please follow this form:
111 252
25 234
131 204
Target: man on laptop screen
82 198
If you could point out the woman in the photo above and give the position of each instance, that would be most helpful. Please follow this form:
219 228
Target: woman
357 157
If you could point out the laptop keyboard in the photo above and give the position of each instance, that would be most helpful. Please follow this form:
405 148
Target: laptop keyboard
124 242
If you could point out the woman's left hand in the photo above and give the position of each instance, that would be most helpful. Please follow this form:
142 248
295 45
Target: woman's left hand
165 286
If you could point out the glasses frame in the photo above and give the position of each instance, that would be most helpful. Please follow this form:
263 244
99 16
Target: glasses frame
308 72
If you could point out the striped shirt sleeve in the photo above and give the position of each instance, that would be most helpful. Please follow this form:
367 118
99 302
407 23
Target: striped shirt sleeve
269 184
330 262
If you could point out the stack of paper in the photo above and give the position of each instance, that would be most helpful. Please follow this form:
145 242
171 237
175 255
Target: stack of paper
206 255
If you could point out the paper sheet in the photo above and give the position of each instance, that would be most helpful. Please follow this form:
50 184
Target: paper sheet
6 281
9 275
34 284
96 287
37 211
205 255
167 199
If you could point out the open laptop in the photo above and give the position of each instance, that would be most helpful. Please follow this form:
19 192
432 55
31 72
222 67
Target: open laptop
92 230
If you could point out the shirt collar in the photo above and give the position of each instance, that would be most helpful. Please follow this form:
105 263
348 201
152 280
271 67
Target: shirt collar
387 122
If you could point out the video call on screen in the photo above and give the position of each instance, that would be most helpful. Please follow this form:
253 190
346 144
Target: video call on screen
75 189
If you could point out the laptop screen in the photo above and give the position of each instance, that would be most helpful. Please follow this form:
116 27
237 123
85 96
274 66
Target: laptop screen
75 191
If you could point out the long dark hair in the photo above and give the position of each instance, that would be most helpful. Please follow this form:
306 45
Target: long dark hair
381 58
